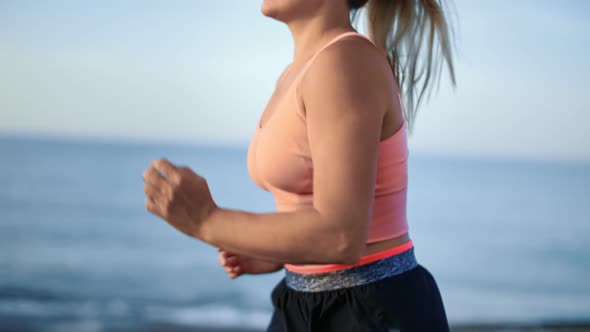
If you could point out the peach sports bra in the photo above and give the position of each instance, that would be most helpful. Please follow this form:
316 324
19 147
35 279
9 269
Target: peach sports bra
279 160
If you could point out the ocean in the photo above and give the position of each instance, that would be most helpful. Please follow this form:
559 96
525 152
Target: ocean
508 241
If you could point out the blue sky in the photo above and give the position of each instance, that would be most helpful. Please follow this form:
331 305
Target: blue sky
202 71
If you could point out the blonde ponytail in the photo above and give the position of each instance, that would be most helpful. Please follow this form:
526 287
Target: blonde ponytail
416 37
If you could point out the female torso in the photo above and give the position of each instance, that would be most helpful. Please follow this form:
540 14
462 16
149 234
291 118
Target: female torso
392 122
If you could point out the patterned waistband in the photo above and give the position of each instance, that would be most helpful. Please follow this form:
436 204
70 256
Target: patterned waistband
355 276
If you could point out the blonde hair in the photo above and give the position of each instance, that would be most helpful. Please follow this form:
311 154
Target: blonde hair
417 37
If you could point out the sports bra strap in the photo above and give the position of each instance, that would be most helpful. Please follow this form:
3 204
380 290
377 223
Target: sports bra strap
332 41
335 39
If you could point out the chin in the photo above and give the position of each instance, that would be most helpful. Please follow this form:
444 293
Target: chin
270 8
285 10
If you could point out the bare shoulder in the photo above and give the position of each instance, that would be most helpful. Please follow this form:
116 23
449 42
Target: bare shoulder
353 67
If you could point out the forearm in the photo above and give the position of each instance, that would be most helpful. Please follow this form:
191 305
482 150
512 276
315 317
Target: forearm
298 237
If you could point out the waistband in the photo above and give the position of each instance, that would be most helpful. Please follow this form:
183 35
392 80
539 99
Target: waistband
362 261
354 276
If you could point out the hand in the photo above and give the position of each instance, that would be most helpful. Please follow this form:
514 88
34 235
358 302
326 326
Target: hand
236 265
178 195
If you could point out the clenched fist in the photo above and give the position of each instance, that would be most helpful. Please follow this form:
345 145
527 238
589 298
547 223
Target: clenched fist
178 195
236 265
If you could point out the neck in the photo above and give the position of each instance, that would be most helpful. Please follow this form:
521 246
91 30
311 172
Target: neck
311 32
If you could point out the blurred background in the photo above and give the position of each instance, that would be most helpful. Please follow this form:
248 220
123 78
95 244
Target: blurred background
91 92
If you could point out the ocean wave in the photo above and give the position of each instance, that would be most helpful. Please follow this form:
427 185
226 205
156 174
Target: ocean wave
93 314
214 315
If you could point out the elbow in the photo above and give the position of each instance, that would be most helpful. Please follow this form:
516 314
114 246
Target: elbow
349 249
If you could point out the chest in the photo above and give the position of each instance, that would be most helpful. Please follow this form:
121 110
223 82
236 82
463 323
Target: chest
279 157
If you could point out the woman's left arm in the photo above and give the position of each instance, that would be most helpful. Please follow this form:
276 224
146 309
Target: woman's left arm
345 96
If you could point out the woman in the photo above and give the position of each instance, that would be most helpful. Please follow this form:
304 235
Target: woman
331 146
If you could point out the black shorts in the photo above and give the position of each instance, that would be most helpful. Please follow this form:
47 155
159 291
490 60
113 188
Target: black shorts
407 302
